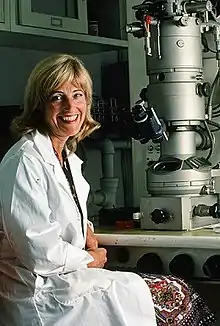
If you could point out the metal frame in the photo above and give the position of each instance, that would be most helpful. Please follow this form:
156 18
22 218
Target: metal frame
4 15
33 19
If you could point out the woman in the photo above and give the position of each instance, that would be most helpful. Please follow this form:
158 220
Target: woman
51 267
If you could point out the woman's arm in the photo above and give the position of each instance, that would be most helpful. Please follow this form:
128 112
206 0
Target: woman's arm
99 254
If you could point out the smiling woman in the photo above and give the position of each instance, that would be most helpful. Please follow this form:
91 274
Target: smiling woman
48 244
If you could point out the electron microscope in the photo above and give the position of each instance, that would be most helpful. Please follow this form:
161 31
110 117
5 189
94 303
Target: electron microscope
176 111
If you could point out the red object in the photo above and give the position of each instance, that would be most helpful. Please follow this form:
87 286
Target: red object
148 19
121 225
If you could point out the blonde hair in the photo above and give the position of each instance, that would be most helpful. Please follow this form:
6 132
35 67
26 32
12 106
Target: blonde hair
45 78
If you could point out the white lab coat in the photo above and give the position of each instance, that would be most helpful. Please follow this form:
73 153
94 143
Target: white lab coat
44 279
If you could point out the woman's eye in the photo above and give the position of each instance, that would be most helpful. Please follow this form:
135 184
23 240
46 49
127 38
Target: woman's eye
78 95
56 97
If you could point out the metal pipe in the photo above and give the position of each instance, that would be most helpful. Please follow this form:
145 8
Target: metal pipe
108 155
106 196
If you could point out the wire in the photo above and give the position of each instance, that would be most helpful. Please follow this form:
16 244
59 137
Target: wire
213 51
210 99
211 140
216 115
216 111
216 107
212 123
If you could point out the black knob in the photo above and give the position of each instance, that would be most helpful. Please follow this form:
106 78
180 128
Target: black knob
214 210
182 265
211 267
159 216
204 89
161 76
143 94
150 263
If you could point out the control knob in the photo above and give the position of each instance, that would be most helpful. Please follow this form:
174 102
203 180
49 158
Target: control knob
160 216
204 89
214 210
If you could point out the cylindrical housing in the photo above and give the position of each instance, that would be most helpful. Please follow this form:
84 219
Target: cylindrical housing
184 140
174 78
180 46
184 181
173 92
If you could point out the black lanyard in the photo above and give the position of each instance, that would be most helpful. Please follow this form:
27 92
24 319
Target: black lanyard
68 174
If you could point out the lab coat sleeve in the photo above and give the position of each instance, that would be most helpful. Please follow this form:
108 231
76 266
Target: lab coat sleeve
26 218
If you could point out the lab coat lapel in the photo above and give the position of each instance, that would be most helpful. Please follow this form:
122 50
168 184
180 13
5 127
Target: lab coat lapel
61 178
81 185
44 146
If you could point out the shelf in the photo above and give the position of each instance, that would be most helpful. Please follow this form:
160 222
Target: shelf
58 41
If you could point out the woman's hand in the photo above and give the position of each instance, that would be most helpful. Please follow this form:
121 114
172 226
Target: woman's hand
91 239
100 258
99 254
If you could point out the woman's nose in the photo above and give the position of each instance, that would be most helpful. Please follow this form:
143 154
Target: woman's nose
68 103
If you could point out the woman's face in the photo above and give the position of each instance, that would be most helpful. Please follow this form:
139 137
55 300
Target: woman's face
66 111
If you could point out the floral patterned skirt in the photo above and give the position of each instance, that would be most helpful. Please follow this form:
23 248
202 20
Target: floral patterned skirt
176 303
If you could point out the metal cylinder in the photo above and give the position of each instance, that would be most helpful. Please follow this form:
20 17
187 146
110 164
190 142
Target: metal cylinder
182 139
180 46
184 181
174 78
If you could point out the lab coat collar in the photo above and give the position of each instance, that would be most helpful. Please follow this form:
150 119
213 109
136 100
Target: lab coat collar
45 148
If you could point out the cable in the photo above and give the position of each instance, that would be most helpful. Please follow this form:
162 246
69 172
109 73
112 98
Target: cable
212 123
211 140
216 107
210 99
216 111
216 115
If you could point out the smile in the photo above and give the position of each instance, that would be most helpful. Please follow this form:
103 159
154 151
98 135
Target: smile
70 118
